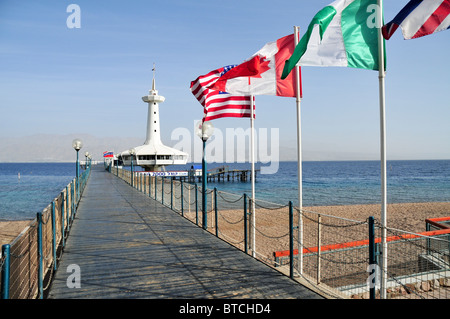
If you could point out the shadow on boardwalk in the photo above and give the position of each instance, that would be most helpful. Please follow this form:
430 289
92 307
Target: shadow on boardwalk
127 245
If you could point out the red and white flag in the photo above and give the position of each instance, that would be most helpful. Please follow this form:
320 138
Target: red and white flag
261 74
217 103
420 18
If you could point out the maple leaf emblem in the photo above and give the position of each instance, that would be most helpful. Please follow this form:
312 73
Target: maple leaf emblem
252 68
262 66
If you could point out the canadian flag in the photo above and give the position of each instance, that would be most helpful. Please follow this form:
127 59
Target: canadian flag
261 74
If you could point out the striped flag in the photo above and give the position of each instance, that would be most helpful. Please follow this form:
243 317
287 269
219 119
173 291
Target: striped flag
420 18
219 104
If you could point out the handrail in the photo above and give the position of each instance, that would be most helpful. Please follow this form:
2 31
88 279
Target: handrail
35 250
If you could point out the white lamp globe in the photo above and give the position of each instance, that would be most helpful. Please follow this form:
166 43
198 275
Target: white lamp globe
77 144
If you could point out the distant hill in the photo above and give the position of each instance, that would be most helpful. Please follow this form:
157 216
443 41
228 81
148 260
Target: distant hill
58 148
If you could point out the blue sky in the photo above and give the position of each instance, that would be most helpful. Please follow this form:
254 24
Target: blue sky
55 80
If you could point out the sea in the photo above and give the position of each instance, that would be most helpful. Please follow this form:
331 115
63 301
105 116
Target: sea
27 188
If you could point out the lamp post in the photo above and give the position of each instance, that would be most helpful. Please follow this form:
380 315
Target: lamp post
132 153
204 130
77 144
90 161
86 156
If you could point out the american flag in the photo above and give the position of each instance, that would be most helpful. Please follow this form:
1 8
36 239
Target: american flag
219 104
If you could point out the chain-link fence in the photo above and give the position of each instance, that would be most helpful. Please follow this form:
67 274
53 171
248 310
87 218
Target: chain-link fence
330 253
418 265
29 261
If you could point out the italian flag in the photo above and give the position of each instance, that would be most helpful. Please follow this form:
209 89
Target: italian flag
341 34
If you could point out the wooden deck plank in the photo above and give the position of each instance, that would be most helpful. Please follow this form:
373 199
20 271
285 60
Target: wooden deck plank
127 245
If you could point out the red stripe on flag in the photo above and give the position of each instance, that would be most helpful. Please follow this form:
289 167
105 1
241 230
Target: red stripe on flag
217 116
229 107
219 99
435 20
286 47
213 101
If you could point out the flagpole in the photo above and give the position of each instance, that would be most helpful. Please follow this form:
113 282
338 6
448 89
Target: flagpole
252 156
299 159
382 92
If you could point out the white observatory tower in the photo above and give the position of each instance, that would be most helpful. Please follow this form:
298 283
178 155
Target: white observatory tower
154 155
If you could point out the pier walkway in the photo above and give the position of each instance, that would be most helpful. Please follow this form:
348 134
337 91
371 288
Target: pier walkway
127 245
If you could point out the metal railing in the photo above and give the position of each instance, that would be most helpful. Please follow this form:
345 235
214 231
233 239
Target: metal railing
338 256
30 260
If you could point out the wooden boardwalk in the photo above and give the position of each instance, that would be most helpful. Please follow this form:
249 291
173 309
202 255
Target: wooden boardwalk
127 245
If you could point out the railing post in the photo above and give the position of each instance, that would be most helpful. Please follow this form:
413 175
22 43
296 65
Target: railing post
372 256
63 203
162 190
145 183
54 234
291 240
319 243
5 271
68 210
182 198
428 228
72 197
72 200
149 186
215 210
132 179
40 256
171 193
74 211
245 225
196 204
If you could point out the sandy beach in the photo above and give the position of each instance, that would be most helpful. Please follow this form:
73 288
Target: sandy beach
406 216
272 225
9 230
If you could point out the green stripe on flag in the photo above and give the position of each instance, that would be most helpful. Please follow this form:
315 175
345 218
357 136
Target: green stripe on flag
361 42
323 19
359 37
